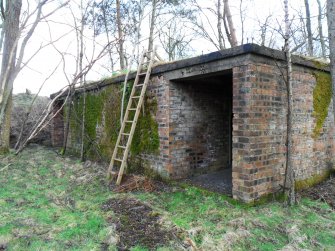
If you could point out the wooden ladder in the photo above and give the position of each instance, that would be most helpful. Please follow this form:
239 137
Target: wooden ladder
123 142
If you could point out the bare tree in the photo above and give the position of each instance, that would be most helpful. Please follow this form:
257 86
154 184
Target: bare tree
175 41
11 36
309 30
242 19
80 36
219 26
230 29
152 25
331 35
13 54
322 39
289 174
202 26
225 30
267 37
120 33
48 113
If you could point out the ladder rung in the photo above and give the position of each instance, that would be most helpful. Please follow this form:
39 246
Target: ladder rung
123 136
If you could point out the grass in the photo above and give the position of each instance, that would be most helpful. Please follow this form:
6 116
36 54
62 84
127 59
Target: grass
52 203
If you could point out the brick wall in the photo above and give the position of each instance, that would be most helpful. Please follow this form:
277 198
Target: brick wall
199 126
259 130
193 119
158 89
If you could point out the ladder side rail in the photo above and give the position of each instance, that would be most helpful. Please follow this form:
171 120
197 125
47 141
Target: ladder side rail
138 110
123 125
133 90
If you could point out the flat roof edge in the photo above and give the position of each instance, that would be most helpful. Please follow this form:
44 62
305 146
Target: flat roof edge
210 57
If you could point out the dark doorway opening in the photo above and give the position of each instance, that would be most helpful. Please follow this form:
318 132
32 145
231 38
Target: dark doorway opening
201 121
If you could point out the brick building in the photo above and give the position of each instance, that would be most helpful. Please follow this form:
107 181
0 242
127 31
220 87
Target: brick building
226 109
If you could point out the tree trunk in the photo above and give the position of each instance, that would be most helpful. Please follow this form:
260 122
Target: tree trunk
322 39
331 35
11 35
219 26
152 25
67 121
5 126
289 175
232 32
309 29
242 19
82 83
120 34
108 39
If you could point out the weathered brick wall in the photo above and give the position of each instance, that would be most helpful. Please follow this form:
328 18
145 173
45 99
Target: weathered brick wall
311 155
199 127
158 89
259 130
103 106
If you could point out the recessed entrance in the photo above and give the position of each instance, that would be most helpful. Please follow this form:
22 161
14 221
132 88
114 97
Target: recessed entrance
201 129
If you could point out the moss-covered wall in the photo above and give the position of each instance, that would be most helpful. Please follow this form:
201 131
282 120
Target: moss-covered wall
102 124
322 95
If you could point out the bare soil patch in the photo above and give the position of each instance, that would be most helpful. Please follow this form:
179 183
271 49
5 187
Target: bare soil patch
324 191
137 225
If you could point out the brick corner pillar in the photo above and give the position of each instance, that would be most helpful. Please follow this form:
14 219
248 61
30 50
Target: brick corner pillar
259 114
242 170
57 124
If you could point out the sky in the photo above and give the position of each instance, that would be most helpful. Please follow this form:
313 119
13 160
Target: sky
49 60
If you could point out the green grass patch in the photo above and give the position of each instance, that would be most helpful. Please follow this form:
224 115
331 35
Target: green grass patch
53 203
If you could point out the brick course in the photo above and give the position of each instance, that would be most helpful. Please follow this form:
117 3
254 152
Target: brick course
259 130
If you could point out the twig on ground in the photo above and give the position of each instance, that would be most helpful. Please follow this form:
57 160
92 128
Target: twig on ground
4 168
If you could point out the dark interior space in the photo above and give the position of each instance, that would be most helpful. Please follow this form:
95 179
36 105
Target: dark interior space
201 115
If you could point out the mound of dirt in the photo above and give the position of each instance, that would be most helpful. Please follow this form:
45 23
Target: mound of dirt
137 224
324 191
